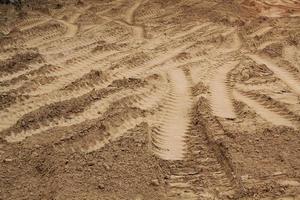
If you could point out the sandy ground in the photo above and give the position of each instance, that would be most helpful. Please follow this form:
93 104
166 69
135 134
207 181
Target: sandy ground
150 100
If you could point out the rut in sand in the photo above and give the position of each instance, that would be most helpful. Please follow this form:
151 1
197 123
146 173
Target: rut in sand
265 113
221 100
288 78
175 118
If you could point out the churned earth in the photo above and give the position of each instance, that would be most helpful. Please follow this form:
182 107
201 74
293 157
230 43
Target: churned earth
150 100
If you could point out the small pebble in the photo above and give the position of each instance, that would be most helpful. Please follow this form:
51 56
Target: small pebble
106 166
155 182
101 186
8 160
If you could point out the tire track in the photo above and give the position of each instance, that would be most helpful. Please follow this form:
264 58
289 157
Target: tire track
265 113
133 63
114 134
288 78
178 188
19 64
71 28
38 113
48 35
221 100
131 12
191 31
175 119
29 22
261 31
39 74
116 121
38 31
12 114
143 98
274 106
234 44
72 19
35 23
204 173
49 113
68 31
9 77
290 67
68 44
138 30
218 178
159 60
73 72
147 98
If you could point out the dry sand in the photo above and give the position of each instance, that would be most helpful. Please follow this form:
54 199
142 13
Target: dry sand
150 100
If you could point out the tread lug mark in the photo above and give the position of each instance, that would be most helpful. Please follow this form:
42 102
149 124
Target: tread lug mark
288 78
221 100
264 112
175 119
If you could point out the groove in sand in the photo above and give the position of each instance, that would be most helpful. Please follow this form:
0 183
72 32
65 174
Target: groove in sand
35 24
131 12
265 113
175 118
288 78
114 134
71 29
221 101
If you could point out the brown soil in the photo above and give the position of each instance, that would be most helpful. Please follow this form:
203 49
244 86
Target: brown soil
150 100
18 62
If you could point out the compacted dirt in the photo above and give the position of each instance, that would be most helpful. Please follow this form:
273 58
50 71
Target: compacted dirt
150 100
